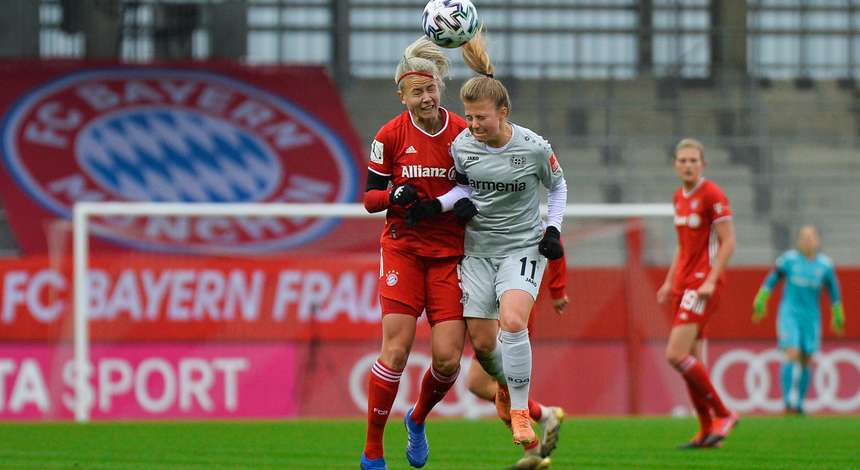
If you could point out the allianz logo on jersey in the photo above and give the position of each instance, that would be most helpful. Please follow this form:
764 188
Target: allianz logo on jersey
502 186
421 171
692 220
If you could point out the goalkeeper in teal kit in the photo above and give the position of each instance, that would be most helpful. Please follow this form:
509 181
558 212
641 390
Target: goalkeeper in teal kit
805 271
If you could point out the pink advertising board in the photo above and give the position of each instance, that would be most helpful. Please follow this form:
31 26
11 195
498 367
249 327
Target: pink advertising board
151 381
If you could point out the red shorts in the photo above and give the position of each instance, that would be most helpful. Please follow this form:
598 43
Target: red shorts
690 309
411 284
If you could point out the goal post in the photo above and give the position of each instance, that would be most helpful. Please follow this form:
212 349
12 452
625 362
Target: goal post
84 212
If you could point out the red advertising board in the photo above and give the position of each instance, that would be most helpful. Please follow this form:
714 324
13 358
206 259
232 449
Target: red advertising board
148 297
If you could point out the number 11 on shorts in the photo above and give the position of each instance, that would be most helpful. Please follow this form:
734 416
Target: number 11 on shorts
525 261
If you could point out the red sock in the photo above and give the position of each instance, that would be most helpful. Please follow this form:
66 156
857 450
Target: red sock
434 386
534 410
702 409
697 377
382 387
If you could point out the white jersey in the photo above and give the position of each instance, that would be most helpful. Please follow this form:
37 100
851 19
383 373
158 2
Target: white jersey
505 189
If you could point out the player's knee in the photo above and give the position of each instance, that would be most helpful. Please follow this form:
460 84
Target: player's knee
675 357
446 365
513 323
483 346
395 356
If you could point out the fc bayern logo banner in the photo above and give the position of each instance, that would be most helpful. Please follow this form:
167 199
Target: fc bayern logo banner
225 134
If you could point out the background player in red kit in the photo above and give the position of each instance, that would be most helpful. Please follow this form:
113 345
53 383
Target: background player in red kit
418 266
706 240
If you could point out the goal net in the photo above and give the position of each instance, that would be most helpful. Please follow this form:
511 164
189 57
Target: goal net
271 311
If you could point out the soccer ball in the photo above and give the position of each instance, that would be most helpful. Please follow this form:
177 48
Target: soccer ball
450 23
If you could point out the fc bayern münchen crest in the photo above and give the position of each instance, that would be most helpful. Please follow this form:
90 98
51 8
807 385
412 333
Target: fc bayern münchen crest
518 161
173 135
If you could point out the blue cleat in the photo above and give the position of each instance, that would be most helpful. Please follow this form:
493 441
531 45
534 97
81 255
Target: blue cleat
375 464
417 449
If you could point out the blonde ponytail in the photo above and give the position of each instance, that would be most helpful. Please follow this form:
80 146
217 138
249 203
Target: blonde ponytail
484 86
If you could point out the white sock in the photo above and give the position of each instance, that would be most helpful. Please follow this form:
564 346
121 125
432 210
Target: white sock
517 363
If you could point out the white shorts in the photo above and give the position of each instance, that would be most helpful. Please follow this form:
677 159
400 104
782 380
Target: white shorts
484 280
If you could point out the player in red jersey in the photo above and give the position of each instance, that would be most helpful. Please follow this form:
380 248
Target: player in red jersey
706 240
418 270
549 418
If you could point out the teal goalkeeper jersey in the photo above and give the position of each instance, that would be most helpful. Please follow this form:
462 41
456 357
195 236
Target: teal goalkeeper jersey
804 279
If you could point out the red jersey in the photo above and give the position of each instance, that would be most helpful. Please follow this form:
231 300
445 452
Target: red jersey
407 154
696 213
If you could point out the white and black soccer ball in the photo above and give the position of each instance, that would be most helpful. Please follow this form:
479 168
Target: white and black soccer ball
450 23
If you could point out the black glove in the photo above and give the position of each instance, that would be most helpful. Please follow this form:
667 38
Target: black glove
550 246
423 209
465 209
403 195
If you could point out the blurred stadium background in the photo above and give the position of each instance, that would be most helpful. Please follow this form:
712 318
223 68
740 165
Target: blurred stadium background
102 100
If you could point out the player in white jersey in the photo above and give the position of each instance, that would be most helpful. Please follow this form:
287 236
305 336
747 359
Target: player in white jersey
499 166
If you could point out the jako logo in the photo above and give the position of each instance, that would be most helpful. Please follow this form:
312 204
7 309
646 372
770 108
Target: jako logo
182 136
510 187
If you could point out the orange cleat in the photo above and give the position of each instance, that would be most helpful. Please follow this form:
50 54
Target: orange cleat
521 425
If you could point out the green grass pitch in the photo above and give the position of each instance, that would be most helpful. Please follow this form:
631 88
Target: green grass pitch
586 443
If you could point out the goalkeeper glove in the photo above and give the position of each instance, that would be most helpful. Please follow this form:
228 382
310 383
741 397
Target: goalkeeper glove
423 209
465 209
837 323
403 195
760 305
550 246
